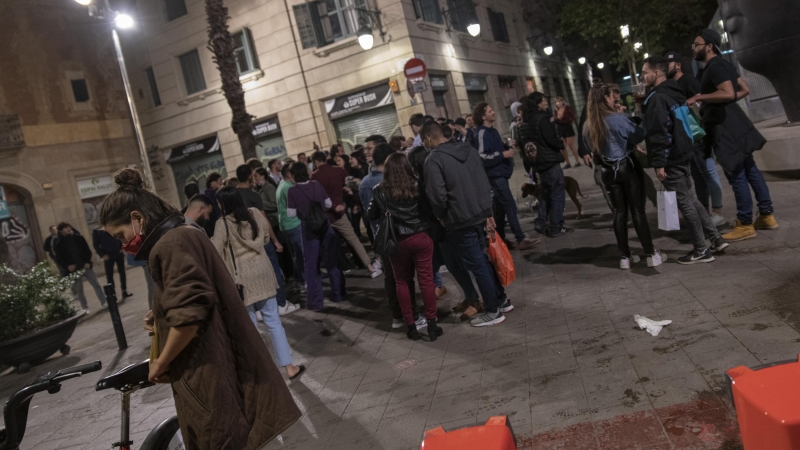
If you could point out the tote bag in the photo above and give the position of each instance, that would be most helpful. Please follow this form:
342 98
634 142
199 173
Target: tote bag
668 219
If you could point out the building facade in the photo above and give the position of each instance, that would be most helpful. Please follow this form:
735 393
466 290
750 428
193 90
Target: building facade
64 122
307 81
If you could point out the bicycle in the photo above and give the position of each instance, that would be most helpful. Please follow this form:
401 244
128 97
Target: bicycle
129 379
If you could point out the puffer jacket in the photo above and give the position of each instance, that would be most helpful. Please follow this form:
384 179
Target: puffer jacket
667 141
537 127
406 214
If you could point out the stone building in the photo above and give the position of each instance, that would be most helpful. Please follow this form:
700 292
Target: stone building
64 122
308 81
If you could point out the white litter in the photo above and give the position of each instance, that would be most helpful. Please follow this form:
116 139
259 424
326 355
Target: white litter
652 326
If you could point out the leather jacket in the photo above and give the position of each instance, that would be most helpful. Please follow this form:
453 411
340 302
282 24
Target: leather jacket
405 213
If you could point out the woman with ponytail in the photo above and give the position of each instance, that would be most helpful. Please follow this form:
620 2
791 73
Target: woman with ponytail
228 392
613 138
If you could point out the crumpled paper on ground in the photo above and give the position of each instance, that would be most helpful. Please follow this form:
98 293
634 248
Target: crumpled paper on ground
652 326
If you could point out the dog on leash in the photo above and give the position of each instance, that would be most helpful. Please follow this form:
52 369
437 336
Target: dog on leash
570 185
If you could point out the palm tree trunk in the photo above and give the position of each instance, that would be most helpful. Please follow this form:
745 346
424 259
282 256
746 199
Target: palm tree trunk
220 43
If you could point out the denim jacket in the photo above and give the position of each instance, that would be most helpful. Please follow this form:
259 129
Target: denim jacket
623 135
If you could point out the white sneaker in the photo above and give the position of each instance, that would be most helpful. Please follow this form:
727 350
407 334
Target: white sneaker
507 306
377 264
376 273
718 220
258 316
656 259
288 308
421 322
625 263
396 323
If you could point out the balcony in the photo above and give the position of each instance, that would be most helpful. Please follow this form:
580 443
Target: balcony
11 136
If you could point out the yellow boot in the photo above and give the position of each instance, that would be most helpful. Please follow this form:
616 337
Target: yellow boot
766 222
740 232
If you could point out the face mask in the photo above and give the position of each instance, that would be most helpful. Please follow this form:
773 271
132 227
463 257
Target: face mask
134 245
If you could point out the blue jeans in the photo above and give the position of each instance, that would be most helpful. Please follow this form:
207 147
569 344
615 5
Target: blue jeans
295 238
269 312
503 196
551 205
467 245
742 179
707 183
442 254
272 254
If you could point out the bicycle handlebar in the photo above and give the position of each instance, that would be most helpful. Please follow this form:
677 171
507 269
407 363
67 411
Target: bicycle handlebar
83 369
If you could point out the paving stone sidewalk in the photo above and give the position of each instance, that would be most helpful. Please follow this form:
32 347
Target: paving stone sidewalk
569 367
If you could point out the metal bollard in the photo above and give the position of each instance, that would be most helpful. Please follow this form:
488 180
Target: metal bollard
116 320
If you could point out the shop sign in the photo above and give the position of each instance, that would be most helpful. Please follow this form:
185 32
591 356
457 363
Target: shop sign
369 98
266 127
438 83
95 186
200 147
475 83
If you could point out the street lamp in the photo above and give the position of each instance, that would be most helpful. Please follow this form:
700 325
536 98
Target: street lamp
123 21
581 60
646 55
84 2
625 31
548 50
365 38
637 46
474 28
600 65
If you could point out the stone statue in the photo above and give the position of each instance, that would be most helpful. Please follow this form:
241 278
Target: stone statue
766 38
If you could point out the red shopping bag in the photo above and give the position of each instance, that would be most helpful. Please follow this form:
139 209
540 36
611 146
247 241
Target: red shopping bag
501 259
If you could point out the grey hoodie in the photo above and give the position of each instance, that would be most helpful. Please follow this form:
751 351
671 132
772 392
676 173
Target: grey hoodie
457 186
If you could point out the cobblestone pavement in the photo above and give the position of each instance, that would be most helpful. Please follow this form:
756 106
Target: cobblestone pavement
568 367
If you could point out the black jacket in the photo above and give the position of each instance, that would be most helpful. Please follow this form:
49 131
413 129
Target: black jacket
72 250
406 214
104 243
537 127
457 186
668 143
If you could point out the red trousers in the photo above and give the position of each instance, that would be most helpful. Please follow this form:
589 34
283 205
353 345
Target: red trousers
414 252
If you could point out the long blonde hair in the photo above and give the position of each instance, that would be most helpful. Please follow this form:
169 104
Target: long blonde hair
595 131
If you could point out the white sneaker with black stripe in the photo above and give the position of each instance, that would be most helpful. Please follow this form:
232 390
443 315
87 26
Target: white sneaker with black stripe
487 318
695 257
507 306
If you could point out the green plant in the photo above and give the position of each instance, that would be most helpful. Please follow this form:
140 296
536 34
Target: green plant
33 300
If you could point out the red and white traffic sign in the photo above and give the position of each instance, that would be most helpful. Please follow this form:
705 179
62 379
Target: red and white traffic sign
415 69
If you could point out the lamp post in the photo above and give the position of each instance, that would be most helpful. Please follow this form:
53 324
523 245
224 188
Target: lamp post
365 38
124 21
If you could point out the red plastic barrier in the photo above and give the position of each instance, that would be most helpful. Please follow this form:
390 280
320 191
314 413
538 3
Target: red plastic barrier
768 406
495 434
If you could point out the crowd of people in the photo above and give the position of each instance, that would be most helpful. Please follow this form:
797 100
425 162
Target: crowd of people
429 202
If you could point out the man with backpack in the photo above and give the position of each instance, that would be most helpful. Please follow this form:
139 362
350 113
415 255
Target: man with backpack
669 149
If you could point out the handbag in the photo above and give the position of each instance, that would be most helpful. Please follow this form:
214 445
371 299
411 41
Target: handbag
385 238
668 219
239 286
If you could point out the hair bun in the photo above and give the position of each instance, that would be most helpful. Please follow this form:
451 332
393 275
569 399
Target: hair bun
129 177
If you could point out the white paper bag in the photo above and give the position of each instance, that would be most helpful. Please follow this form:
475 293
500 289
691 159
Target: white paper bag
668 211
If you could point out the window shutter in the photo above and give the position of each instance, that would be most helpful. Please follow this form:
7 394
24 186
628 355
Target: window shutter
251 49
175 9
305 27
501 21
192 72
321 23
428 10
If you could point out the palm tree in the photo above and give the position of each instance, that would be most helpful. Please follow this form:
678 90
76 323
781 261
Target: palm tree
221 44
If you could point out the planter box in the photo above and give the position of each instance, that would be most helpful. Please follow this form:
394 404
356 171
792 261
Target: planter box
37 346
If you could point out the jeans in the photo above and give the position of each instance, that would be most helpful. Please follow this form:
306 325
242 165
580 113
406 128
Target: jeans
390 286
458 272
679 179
269 312
414 253
626 187
503 195
437 279
322 252
272 254
77 288
295 238
706 178
467 245
117 259
742 179
551 205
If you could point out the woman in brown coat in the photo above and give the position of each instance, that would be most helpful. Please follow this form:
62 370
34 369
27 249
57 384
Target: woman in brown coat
228 392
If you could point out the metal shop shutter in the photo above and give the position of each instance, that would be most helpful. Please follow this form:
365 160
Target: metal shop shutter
352 130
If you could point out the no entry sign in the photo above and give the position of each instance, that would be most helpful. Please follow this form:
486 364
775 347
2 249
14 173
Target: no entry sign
415 69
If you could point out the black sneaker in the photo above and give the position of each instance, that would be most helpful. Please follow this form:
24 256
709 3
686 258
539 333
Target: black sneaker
559 232
718 244
695 257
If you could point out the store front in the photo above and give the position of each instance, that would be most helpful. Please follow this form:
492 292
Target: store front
269 140
93 192
194 161
361 114
20 250
477 87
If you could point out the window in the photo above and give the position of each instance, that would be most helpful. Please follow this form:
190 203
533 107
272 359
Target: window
246 60
462 13
151 80
498 22
192 72
428 10
326 21
80 91
175 9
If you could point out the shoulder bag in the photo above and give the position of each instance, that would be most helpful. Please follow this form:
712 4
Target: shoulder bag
385 238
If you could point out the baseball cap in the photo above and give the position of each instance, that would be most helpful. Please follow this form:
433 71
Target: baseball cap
711 37
673 56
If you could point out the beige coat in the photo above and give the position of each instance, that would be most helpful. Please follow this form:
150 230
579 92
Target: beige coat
229 394
253 269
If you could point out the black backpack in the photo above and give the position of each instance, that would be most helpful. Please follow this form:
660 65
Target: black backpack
316 220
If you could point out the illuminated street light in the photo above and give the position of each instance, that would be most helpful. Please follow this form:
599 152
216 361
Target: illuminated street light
474 29
600 65
548 50
365 39
123 21
646 55
581 60
83 2
624 31
637 46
